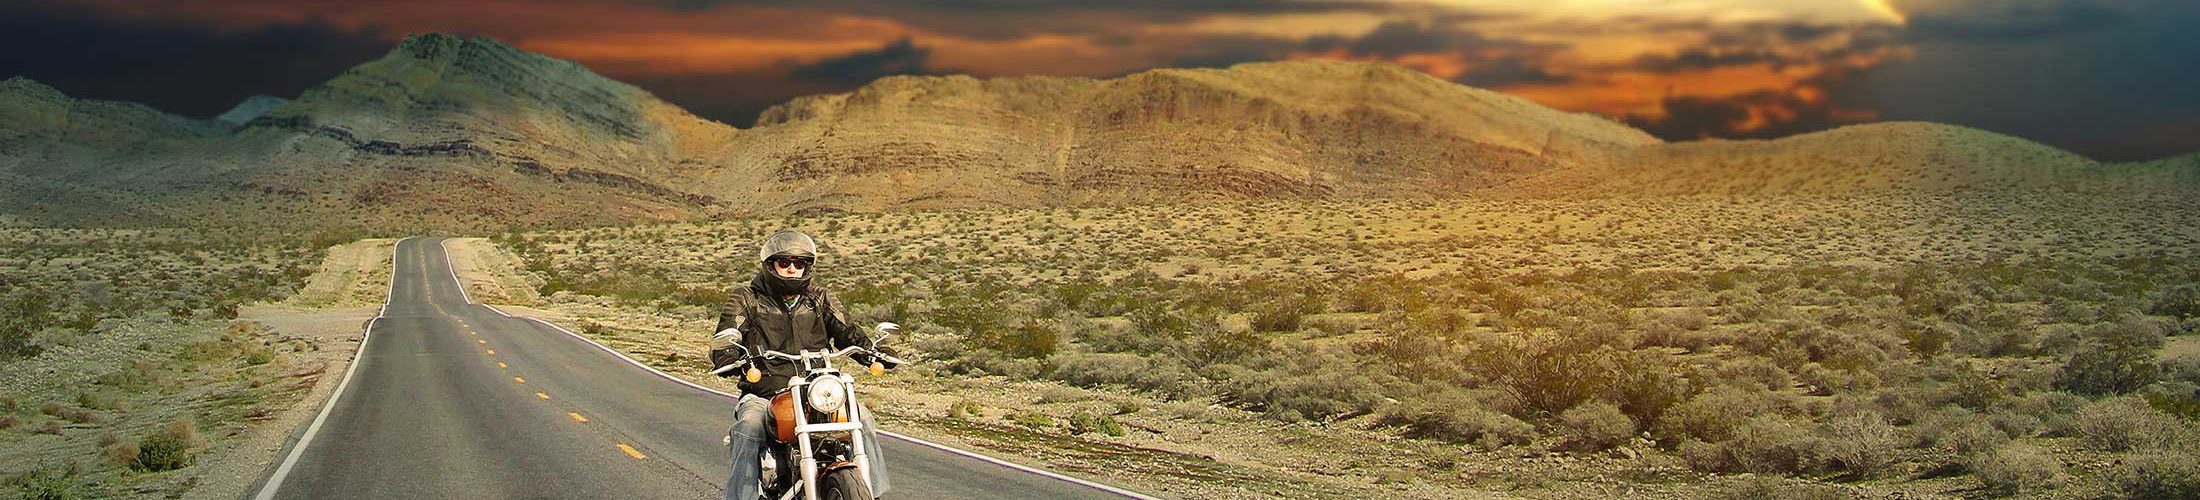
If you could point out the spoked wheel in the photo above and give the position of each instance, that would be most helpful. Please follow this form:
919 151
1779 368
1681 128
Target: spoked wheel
845 484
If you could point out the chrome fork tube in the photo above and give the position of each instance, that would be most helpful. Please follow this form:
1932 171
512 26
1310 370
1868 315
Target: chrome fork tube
856 437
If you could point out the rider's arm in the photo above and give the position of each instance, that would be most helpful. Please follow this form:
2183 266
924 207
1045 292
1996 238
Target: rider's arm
836 321
733 315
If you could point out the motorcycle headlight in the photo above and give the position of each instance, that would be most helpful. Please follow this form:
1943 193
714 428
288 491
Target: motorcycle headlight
827 394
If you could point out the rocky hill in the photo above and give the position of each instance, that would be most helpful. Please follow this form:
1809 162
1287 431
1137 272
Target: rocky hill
1299 129
452 132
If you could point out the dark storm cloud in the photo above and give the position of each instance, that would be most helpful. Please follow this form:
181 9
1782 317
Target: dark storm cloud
1822 102
2116 92
1014 19
1396 38
736 98
1511 70
1225 50
2012 19
1777 45
188 70
901 57
1490 61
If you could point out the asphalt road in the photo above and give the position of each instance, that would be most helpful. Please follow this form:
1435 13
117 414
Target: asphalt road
449 399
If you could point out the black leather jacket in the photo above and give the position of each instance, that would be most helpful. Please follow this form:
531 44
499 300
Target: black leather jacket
814 320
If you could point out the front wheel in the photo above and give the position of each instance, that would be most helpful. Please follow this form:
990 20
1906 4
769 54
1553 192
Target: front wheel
845 484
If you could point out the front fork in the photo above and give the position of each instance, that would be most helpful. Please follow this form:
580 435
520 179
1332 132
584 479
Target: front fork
856 440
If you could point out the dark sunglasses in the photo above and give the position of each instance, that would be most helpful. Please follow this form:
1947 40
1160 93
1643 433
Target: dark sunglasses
793 263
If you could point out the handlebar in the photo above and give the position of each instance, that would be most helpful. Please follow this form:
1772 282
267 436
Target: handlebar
844 351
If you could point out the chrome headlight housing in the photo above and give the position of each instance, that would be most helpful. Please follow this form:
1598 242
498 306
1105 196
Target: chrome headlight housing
827 394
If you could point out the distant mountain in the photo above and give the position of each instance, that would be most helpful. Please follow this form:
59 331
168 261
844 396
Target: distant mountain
38 121
251 108
469 133
1311 128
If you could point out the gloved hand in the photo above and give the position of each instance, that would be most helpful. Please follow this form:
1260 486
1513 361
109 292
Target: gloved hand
887 360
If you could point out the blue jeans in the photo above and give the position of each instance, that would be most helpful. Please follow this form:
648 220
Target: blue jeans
752 431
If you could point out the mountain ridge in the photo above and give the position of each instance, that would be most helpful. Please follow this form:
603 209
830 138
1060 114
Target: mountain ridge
468 132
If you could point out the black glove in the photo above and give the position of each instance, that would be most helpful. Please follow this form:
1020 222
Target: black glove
720 358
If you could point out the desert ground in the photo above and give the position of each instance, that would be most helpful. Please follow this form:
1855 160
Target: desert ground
1913 344
1980 344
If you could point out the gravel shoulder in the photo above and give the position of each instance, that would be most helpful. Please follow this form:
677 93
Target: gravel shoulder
329 315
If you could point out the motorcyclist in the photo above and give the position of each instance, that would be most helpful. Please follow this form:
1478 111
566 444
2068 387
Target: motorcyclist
782 310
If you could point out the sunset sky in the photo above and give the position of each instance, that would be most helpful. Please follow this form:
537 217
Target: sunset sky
2111 79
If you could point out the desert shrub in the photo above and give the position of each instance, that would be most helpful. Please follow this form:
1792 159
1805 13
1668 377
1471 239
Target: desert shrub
23 313
1861 443
258 356
1033 421
2017 468
2055 410
1596 426
2117 358
1156 374
1771 444
2179 301
1227 347
1031 338
1553 373
122 453
1776 488
1060 394
1459 417
172 447
1284 314
988 361
2127 423
1959 431
963 409
2014 423
1753 371
53 483
2185 369
1710 416
1082 422
2158 474
1766 443
1293 395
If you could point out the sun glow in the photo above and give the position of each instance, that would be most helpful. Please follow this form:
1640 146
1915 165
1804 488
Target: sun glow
1884 9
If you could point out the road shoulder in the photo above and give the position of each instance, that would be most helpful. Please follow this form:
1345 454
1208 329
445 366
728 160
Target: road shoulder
329 316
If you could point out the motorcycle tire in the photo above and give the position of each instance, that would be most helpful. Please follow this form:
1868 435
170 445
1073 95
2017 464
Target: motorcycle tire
845 484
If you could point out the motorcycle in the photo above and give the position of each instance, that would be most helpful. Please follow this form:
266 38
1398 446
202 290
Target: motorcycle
815 419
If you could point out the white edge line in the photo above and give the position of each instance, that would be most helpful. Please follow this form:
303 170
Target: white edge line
267 491
453 270
958 451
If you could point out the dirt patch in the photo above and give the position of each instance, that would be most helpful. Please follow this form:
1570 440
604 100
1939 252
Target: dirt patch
490 273
355 274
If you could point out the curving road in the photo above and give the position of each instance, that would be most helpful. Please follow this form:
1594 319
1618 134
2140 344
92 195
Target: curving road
451 399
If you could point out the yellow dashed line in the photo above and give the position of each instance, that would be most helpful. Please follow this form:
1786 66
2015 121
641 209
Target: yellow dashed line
500 364
520 380
541 395
492 352
577 417
631 452
485 342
